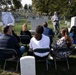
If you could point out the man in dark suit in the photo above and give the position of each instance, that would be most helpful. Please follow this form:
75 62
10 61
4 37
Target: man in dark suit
13 33
9 41
48 31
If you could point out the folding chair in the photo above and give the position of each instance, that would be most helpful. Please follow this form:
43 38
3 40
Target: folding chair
51 39
25 39
9 55
42 51
62 53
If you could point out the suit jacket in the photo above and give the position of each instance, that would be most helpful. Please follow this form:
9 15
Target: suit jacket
48 32
17 37
9 41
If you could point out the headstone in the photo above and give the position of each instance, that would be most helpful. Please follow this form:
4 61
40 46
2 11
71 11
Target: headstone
32 32
27 64
73 21
36 22
29 19
0 15
65 22
1 23
0 33
18 19
45 17
68 23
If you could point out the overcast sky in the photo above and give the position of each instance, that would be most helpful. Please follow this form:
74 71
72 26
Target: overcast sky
26 2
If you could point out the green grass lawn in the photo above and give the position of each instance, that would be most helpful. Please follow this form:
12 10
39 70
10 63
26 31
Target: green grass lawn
41 67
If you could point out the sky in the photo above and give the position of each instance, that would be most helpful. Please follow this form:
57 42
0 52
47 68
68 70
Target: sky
26 2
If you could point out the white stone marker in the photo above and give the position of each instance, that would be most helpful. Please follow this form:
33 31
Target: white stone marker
29 19
27 64
65 22
36 22
1 24
73 21
68 23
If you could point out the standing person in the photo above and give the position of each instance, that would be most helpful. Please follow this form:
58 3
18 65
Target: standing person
55 20
40 41
48 31
9 41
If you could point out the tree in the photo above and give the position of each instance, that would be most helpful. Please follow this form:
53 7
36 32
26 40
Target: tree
41 6
25 6
17 4
30 7
64 7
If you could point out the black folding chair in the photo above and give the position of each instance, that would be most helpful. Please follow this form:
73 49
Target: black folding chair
25 39
62 53
41 51
9 55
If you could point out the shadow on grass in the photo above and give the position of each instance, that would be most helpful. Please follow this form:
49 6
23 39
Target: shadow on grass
41 68
10 68
61 68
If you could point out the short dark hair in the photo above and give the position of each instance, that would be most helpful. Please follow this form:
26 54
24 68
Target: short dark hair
45 24
39 29
5 29
73 30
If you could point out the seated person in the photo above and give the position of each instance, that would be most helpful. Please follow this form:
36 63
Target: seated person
25 31
13 33
60 34
48 31
17 37
40 41
64 41
9 41
73 34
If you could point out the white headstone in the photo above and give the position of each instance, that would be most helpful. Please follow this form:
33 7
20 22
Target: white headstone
32 32
73 21
1 23
65 22
68 23
18 19
36 22
45 17
27 64
29 19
